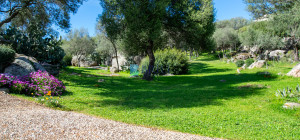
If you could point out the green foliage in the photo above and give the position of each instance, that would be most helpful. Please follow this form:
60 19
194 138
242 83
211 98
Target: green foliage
289 93
148 25
67 60
226 38
260 8
7 56
196 99
239 63
235 23
167 61
36 43
48 12
248 62
260 37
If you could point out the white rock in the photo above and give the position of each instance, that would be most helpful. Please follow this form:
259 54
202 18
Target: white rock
291 105
257 64
295 72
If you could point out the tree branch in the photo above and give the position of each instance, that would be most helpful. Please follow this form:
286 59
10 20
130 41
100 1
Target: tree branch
14 11
7 20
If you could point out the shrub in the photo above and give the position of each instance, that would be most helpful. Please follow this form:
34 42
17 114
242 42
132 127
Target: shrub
167 61
7 56
249 62
37 83
239 63
67 60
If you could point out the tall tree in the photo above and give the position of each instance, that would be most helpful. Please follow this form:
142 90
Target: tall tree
260 8
145 24
226 38
287 24
80 43
111 30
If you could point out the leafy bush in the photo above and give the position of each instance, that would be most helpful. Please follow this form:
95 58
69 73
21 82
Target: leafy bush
36 43
239 63
67 60
7 56
37 83
249 62
167 61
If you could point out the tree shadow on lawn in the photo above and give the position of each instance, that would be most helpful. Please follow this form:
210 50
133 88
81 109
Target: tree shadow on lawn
201 68
168 92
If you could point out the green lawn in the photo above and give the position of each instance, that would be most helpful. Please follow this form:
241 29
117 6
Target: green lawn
212 100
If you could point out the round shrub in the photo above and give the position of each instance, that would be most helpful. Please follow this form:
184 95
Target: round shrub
7 56
67 60
239 63
249 62
171 61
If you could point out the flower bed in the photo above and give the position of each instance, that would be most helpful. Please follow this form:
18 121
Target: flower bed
36 83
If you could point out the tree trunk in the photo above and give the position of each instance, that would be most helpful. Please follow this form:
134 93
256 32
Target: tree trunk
296 51
116 52
191 53
78 60
147 74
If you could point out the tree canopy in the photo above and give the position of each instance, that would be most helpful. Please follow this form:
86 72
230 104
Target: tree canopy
145 25
260 8
235 23
20 12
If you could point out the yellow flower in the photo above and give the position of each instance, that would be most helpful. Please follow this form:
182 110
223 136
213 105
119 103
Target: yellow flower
49 93
46 98
51 97
57 97
31 93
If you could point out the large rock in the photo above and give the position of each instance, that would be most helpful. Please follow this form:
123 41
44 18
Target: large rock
295 72
52 69
242 56
121 59
23 65
257 64
82 61
277 54
254 49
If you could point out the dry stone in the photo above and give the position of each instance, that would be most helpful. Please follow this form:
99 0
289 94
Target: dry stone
291 105
257 64
295 72
276 54
242 56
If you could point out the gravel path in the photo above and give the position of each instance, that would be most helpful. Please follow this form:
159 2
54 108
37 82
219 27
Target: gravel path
21 119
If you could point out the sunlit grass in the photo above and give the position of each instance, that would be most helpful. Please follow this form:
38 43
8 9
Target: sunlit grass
212 100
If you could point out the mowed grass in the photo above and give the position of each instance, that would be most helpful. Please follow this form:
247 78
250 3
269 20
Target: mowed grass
212 100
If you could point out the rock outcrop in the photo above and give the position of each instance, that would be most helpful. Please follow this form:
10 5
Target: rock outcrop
277 54
257 64
242 56
82 62
23 65
295 72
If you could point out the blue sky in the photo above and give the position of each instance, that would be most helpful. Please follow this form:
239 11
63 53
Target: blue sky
87 14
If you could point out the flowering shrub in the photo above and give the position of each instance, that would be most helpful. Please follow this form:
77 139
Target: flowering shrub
5 80
39 83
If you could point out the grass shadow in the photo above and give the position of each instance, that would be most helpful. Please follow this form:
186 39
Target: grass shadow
168 92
